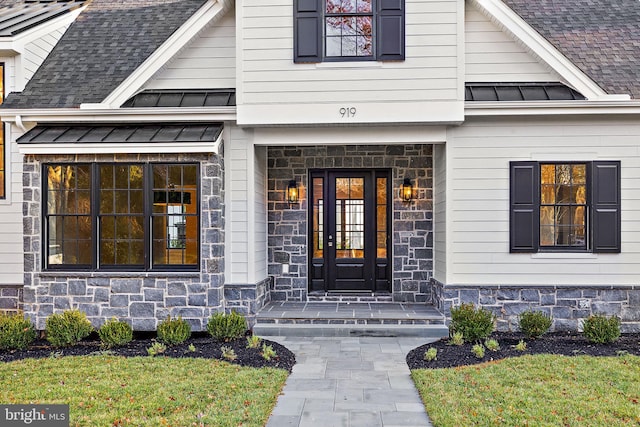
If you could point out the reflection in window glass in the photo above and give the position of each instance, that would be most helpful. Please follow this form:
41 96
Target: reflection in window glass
175 215
349 28
318 217
563 202
68 214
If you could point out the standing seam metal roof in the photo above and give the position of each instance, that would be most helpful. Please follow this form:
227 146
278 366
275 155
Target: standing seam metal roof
106 43
19 17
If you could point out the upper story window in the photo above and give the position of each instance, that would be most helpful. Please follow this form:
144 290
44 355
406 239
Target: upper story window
348 30
565 206
132 216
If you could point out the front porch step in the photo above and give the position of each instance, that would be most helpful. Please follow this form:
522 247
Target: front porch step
345 319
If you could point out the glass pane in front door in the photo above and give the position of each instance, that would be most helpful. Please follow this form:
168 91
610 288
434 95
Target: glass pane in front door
349 218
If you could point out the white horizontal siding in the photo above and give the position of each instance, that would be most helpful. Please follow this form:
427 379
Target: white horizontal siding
478 155
246 209
491 55
209 62
268 75
440 212
260 214
36 51
11 242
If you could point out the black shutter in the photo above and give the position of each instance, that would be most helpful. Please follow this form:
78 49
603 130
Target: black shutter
605 206
390 31
307 30
524 216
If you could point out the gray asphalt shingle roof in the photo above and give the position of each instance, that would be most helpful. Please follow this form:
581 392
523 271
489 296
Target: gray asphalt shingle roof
105 44
601 37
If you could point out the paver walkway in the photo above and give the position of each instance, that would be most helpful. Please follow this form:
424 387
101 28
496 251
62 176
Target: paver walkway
349 382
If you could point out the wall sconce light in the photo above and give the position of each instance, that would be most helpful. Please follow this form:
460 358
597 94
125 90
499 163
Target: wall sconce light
292 192
406 190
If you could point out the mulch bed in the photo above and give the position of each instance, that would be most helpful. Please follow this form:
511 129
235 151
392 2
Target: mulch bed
562 343
206 347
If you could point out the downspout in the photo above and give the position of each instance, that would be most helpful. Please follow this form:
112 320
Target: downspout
20 124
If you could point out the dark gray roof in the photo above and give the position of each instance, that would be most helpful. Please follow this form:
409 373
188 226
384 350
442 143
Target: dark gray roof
182 98
105 44
520 92
95 133
17 17
601 37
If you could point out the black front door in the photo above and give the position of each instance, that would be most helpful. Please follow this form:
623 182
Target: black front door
350 231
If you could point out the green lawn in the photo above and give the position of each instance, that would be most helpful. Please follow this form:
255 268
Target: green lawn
145 391
541 390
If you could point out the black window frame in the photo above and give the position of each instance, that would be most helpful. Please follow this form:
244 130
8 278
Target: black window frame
603 207
388 32
148 214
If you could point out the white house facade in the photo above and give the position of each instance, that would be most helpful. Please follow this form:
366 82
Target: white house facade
188 157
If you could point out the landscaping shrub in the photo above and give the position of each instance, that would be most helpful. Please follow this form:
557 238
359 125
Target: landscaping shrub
174 331
474 324
478 351
534 323
67 328
115 332
431 354
225 327
602 329
16 332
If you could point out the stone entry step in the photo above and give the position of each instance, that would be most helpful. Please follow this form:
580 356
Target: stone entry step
355 319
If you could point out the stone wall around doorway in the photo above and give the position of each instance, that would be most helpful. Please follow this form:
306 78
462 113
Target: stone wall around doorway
412 224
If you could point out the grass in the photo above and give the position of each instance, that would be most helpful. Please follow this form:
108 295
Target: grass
541 390
117 391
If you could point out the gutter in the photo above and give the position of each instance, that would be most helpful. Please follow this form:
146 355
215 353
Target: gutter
551 108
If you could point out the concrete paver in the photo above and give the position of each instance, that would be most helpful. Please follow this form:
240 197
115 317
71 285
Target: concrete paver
349 382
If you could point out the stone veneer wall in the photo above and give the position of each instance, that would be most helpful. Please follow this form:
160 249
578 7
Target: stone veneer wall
567 305
10 299
412 223
247 299
141 298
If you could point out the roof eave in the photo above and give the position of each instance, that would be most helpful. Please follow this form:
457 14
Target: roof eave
551 108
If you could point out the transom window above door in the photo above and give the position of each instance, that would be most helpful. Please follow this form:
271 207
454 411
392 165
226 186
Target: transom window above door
349 30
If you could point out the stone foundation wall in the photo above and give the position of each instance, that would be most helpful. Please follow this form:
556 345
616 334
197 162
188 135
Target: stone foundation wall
247 299
412 222
141 298
567 305
10 299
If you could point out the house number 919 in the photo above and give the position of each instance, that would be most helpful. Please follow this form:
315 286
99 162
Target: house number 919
346 113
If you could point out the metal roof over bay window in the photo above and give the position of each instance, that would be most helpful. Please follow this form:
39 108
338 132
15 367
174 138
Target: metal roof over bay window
65 138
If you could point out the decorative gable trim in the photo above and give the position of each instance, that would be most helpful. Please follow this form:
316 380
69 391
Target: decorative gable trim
209 12
521 30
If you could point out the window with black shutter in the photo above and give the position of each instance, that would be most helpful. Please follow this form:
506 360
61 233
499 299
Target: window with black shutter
565 206
348 30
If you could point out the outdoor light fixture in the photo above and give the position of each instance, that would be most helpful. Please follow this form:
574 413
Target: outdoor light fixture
406 190
292 192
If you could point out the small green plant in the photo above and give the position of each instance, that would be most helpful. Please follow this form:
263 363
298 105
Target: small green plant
16 332
225 327
174 331
456 339
268 352
431 354
474 324
534 323
192 348
253 341
622 353
521 346
492 345
228 353
602 329
156 349
115 332
67 328
478 350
